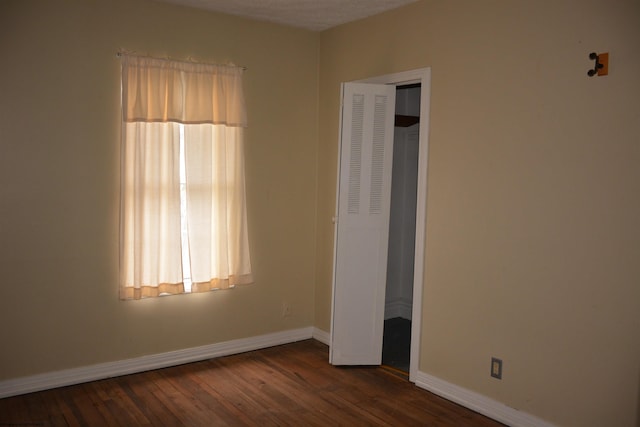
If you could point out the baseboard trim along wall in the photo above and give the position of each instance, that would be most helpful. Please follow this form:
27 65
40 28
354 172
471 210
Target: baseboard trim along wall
478 402
14 387
321 336
398 308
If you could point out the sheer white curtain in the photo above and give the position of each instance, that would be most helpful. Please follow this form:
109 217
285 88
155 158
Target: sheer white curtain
151 261
216 216
160 96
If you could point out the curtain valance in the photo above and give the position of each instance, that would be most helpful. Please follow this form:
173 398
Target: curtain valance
160 90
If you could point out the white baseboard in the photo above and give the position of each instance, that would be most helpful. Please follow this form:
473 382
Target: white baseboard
398 308
321 336
478 402
67 377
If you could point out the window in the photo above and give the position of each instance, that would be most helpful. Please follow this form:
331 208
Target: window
183 213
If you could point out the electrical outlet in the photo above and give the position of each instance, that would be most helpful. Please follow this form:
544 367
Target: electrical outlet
286 309
496 368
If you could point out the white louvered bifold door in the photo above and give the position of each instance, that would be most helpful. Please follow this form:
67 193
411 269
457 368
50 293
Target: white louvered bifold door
364 193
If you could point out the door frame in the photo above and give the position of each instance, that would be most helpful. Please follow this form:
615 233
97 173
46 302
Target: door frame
422 76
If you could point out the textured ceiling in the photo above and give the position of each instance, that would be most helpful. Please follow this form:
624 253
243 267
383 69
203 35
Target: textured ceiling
315 15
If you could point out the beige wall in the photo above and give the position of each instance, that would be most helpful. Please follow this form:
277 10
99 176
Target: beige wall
532 210
59 148
533 244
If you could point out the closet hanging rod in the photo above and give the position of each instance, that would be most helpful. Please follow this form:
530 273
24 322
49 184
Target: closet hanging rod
188 61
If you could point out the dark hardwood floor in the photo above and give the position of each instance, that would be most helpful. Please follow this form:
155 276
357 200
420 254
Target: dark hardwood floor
289 385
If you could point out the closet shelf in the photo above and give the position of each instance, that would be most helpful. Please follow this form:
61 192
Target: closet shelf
406 121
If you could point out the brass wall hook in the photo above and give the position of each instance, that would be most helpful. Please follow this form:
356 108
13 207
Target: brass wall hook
601 67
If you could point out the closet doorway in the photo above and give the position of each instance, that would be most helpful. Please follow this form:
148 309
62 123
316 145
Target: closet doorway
396 343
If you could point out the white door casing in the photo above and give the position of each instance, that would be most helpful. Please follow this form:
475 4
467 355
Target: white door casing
364 193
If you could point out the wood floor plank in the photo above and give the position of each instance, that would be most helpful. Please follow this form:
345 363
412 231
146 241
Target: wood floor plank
224 378
116 401
142 393
208 398
289 385
221 400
